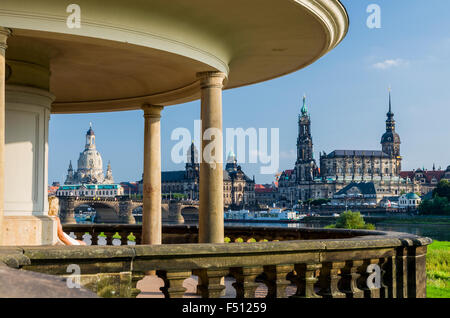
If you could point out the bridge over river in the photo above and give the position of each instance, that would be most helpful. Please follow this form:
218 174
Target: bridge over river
123 209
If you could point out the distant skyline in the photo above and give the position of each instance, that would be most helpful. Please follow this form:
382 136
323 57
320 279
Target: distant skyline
347 97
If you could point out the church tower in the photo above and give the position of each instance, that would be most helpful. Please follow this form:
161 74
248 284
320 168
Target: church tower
192 164
305 165
390 141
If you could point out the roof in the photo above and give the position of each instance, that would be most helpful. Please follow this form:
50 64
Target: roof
251 41
260 188
357 153
173 176
365 188
428 175
89 186
412 196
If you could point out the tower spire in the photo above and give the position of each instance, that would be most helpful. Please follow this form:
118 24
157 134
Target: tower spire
304 109
390 102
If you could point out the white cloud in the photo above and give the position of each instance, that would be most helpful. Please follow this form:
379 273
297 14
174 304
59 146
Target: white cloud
387 64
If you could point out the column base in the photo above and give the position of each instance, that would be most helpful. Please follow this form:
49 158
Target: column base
29 230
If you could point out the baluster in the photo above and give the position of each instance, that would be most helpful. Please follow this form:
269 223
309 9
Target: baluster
135 277
87 238
101 239
329 279
305 279
370 278
389 277
173 283
384 288
210 282
245 284
276 280
350 278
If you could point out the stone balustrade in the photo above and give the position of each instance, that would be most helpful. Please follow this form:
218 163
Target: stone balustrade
318 263
180 234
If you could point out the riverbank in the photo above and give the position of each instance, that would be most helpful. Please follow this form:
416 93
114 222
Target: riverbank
438 270
388 219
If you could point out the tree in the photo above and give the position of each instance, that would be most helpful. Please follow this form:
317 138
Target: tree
442 190
436 206
352 220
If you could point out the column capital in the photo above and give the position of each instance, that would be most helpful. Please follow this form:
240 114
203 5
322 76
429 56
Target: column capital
152 111
211 79
4 34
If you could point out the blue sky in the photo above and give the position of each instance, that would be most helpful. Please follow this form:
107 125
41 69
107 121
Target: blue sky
346 95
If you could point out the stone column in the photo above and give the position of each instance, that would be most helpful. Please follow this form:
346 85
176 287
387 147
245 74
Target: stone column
27 114
4 33
151 209
211 228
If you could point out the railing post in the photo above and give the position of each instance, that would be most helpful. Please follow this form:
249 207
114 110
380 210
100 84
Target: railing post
210 282
369 292
329 279
305 280
417 277
135 277
350 278
276 280
245 284
173 283
389 277
401 272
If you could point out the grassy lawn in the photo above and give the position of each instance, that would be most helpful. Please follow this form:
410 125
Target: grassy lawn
438 270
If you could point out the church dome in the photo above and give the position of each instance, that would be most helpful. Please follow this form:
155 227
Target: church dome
90 159
390 136
90 165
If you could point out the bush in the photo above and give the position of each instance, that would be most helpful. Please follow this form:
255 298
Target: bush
352 220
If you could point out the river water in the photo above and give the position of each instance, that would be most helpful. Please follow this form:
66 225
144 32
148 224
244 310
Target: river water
440 232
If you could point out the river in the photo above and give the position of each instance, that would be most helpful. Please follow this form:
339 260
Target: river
440 232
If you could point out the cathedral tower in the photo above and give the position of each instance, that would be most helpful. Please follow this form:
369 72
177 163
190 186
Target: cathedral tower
192 163
305 165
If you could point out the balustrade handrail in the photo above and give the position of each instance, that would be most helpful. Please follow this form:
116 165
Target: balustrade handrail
343 264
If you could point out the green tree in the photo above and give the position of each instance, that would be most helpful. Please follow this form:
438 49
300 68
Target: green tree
442 190
351 220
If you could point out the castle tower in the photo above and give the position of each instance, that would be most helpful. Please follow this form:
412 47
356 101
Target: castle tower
390 141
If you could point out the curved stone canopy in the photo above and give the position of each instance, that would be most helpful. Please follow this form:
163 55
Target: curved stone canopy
127 53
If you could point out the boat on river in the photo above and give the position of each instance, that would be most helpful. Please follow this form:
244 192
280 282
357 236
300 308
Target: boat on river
272 215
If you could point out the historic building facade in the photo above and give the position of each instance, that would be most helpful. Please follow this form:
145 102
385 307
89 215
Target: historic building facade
89 179
428 179
340 168
238 188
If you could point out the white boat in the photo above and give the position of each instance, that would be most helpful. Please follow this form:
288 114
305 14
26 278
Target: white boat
272 215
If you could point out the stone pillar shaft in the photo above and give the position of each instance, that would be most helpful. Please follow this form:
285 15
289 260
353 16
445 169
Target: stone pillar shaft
151 210
4 33
211 224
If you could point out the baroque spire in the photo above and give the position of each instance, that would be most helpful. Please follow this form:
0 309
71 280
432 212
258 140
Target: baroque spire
304 109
